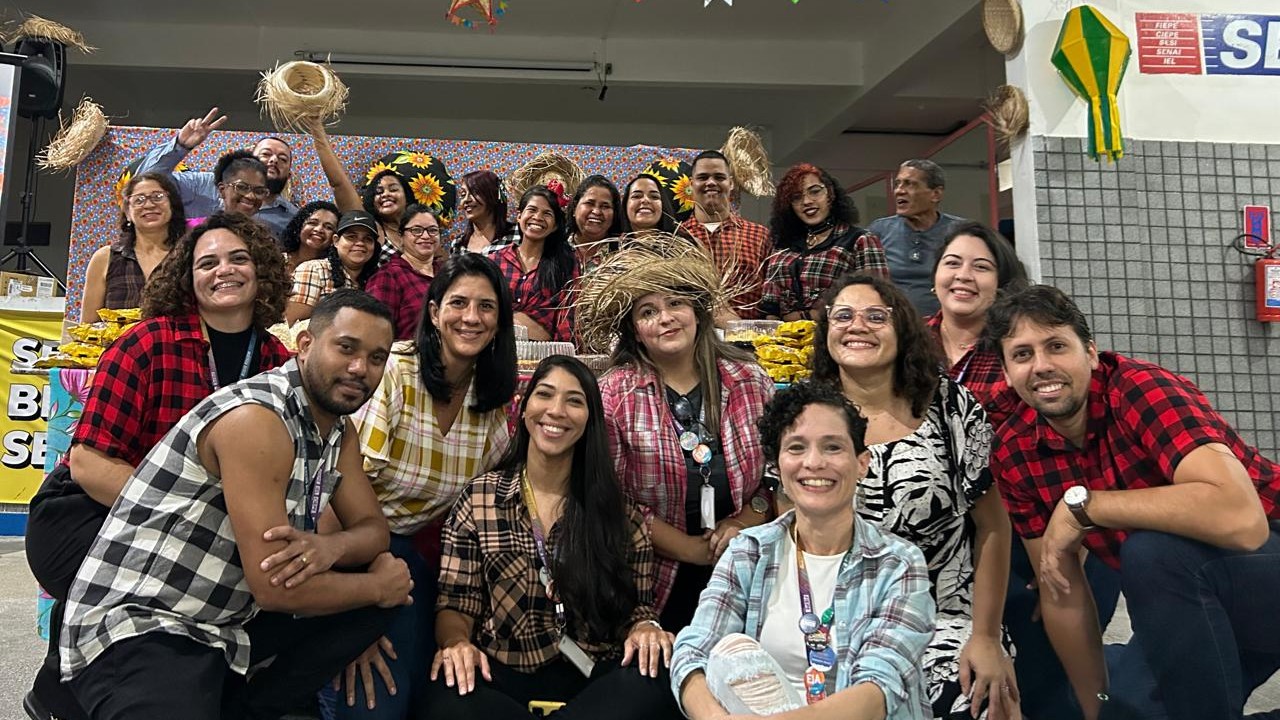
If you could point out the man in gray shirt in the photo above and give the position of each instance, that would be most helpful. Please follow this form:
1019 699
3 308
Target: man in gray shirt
912 237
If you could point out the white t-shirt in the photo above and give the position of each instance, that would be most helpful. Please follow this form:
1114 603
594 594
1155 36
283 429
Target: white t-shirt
780 633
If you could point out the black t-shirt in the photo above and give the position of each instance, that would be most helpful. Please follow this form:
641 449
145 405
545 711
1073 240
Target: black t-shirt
719 474
229 350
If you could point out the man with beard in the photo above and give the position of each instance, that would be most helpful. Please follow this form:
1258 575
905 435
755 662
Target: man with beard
1129 461
200 189
208 592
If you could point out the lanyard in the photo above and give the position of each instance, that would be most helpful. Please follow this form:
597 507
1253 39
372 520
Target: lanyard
817 633
244 367
314 493
540 541
696 441
968 358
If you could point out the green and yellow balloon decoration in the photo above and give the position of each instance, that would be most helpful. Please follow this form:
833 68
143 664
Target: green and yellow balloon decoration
1092 54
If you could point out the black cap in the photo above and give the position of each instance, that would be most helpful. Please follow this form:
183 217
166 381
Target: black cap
358 218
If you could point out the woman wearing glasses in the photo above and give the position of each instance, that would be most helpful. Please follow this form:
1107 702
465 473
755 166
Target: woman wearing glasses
817 241
152 222
681 409
242 182
928 483
403 282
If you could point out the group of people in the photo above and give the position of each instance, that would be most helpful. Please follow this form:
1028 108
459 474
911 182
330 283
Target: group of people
235 527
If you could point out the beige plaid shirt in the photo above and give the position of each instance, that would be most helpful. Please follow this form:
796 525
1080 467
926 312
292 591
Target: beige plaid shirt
416 472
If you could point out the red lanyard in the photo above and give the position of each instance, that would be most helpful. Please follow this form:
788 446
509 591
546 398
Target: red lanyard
819 649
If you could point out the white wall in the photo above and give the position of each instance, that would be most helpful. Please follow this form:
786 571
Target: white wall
1208 108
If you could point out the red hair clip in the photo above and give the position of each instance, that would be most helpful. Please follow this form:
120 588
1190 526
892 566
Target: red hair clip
557 187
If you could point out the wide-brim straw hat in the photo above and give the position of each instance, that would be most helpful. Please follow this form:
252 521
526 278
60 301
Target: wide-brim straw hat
1002 22
647 262
38 28
751 169
76 139
1009 113
300 90
542 168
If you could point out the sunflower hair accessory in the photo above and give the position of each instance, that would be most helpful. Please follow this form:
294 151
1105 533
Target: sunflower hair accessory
647 262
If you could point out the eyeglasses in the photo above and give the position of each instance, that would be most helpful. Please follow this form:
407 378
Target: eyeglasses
813 192
842 316
245 189
417 232
143 199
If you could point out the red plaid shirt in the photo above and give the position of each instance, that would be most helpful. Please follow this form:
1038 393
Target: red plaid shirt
796 279
148 379
646 449
402 289
1143 420
981 373
550 309
743 246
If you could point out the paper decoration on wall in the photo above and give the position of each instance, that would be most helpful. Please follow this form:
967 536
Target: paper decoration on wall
674 174
1091 55
488 9
427 177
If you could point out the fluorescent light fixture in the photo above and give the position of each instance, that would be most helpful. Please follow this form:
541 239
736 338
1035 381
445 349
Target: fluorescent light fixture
493 65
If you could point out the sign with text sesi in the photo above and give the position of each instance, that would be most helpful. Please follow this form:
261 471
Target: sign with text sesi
1208 44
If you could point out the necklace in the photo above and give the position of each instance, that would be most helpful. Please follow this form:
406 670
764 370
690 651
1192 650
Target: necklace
963 347
815 234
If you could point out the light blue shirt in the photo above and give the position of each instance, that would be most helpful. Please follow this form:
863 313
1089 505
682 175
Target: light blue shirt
199 190
884 611
914 277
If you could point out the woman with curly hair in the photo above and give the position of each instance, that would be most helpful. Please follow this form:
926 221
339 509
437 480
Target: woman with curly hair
350 262
928 483
152 222
310 233
817 240
206 310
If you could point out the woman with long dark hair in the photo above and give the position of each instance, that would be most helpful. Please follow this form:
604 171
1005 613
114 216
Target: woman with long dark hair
646 206
928 483
546 587
595 215
350 262
310 233
483 202
152 222
540 267
816 240
437 420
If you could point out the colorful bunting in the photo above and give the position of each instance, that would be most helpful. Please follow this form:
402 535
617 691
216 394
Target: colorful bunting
489 10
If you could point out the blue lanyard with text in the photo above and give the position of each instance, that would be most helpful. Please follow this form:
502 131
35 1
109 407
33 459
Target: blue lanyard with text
540 541
244 367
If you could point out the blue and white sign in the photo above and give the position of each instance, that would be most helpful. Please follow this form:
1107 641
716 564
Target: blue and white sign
1241 44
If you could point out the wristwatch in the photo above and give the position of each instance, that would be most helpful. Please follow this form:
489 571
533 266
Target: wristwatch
1077 500
760 505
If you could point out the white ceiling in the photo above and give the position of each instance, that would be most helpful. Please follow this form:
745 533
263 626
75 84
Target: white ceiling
851 84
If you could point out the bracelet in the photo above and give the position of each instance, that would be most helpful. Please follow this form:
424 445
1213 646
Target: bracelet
654 623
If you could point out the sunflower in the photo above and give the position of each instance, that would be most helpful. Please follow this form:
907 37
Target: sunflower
376 168
411 157
683 192
427 190
669 163
663 180
181 166
120 185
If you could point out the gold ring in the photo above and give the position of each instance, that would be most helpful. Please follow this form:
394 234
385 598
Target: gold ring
303 558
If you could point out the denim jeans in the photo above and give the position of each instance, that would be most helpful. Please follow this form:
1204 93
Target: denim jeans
1206 619
412 633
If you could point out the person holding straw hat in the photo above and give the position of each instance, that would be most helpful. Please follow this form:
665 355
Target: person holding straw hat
681 407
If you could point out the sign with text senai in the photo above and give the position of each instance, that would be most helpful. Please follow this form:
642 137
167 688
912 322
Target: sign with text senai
1208 44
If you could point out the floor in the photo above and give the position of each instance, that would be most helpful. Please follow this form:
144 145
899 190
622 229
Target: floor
23 649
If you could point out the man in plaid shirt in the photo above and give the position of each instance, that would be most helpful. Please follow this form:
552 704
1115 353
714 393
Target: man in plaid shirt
739 246
1127 460
188 604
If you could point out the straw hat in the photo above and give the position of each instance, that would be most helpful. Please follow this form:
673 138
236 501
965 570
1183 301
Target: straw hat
1002 21
1008 112
646 263
749 161
38 28
299 90
542 169
75 139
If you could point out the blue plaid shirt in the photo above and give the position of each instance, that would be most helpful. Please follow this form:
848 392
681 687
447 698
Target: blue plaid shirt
881 572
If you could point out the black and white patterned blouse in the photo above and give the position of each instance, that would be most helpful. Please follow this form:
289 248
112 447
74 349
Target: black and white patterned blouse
166 558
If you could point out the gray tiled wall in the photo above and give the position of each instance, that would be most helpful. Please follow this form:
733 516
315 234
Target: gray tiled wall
1143 245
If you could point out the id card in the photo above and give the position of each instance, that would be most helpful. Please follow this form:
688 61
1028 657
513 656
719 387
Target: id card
707 506
576 655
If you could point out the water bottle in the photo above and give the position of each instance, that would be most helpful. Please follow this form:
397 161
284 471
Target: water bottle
44 608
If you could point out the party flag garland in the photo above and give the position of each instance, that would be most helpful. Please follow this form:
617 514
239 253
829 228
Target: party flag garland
489 9
1091 55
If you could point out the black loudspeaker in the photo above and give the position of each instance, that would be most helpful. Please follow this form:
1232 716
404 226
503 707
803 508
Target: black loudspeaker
44 75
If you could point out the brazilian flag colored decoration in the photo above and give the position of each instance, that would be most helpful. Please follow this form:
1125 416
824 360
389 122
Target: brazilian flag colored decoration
1092 54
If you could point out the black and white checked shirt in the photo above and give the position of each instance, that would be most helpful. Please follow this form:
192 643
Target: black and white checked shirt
166 558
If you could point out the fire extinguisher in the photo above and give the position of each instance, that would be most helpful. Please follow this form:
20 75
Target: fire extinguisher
1266 288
